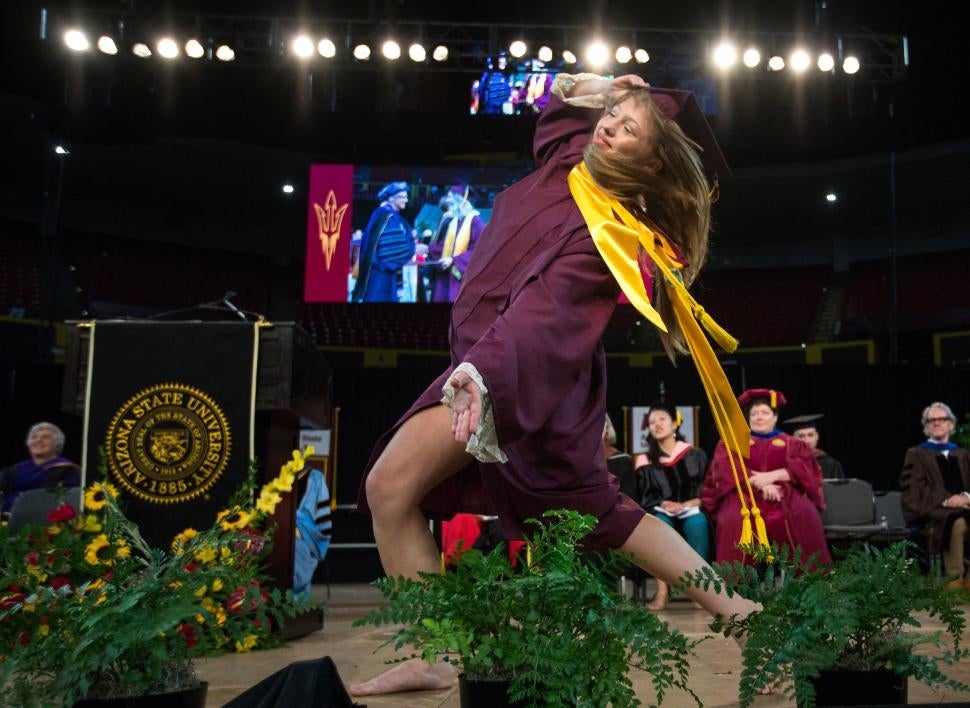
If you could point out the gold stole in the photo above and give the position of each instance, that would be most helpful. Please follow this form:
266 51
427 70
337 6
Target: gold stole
456 240
620 239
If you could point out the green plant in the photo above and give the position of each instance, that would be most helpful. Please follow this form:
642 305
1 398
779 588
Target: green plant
89 609
855 615
556 628
961 435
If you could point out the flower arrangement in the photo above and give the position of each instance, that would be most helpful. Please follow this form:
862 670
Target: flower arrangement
89 609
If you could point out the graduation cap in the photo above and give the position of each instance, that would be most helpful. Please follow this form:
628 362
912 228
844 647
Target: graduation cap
683 108
391 189
775 399
799 422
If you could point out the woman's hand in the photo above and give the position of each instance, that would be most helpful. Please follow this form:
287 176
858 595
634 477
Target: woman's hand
627 82
466 406
672 506
772 492
604 87
761 479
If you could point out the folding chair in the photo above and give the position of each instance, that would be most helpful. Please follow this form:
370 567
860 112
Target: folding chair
31 507
850 513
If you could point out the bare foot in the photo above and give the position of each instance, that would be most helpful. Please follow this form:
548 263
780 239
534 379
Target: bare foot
659 602
410 675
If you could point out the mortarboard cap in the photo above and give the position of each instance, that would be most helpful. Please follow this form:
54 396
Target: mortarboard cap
391 189
683 108
776 399
809 420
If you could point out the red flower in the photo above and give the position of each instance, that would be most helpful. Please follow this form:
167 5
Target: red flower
236 598
186 630
11 599
32 558
64 512
191 567
59 581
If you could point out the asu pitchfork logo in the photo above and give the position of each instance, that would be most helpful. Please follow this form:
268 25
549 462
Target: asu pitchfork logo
329 218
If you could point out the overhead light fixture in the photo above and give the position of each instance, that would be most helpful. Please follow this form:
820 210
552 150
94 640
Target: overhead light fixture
641 56
597 54
391 50
568 56
167 48
724 56
799 60
362 52
106 45
751 57
825 62
518 49
544 54
850 65
440 53
287 189
417 52
303 46
141 50
61 150
76 40
326 48
623 54
194 49
776 63
831 197
225 53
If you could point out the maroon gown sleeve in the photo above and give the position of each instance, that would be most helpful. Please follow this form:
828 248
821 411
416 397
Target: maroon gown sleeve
558 124
805 473
719 480
533 355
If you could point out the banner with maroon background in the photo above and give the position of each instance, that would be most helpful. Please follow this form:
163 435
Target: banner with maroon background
328 229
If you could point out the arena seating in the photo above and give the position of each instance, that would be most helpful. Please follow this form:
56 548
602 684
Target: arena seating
19 273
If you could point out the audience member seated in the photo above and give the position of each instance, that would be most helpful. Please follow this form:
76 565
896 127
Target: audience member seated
786 480
935 484
619 463
670 476
805 428
45 469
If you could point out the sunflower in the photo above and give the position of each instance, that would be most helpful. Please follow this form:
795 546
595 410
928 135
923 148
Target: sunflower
97 552
182 540
97 495
233 519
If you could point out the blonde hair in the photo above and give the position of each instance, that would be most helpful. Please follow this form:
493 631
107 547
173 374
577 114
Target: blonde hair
668 191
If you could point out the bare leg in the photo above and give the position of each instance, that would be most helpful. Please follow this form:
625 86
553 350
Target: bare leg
420 455
662 551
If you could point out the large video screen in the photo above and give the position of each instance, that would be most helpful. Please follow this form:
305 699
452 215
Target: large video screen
407 232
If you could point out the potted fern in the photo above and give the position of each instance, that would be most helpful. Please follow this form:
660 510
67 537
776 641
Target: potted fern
554 632
856 616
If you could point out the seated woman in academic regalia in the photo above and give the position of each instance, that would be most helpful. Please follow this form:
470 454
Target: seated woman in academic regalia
786 479
45 469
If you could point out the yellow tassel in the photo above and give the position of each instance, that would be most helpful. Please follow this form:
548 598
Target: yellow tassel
774 399
759 523
746 537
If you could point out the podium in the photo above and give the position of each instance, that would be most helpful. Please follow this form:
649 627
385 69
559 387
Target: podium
293 389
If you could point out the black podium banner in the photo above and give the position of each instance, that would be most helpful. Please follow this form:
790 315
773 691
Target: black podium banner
172 406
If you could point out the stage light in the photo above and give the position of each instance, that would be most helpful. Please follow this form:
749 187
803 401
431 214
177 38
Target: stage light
106 45
724 55
597 54
141 50
326 48
61 150
623 54
440 53
76 40
568 56
751 58
641 56
225 53
303 46
850 65
417 52
167 48
362 52
831 197
194 49
544 54
776 63
825 62
287 189
799 60
518 49
391 50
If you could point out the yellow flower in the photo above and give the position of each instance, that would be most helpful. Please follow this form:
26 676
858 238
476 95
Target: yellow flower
175 584
221 615
97 495
201 591
206 554
310 450
44 630
182 540
53 529
247 643
93 553
217 585
284 482
200 618
235 518
268 499
89 524
225 556
123 550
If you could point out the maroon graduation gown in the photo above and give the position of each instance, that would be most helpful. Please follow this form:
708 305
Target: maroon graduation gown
793 521
534 304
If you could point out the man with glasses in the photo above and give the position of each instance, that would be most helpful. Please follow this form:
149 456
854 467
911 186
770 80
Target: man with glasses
935 484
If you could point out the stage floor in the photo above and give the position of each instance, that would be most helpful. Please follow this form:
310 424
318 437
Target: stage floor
714 671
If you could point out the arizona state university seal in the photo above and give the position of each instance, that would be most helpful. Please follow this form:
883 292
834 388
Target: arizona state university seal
168 443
